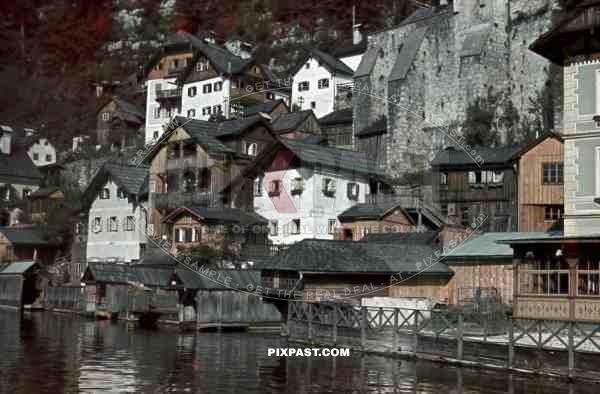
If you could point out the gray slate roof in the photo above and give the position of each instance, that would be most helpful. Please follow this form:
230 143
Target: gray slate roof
18 267
17 167
377 127
282 122
25 236
267 107
341 116
333 158
428 237
367 62
458 157
129 111
203 133
485 246
133 179
235 126
475 39
120 273
408 52
368 210
331 62
219 214
312 255
223 279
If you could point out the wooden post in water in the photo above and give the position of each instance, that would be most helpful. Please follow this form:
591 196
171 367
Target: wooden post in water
459 336
571 348
335 321
511 340
396 312
310 333
363 327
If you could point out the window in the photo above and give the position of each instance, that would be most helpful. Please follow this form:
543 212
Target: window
475 177
588 276
97 225
295 226
129 223
105 194
183 235
353 190
191 113
303 86
297 186
443 178
121 193
36 156
217 109
323 83
258 188
174 63
274 187
270 96
202 66
273 228
192 91
206 111
444 209
250 148
497 177
112 224
329 187
331 224
313 104
46 142
552 173
105 116
26 192
155 134
156 113
553 212
218 86
485 177
207 88
48 157
307 65
545 276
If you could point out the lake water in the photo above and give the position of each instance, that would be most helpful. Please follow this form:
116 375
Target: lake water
55 353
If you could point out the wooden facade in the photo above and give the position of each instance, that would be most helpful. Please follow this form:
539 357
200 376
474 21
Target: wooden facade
396 221
480 278
541 195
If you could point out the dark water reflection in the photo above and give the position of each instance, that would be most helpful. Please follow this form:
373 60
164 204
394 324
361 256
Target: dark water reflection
61 353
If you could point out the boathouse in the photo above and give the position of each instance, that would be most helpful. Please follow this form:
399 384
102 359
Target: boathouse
18 284
318 270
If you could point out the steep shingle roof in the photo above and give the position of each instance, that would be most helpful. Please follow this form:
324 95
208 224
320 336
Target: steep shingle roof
235 127
377 127
408 52
312 255
25 236
367 211
267 107
427 237
480 155
341 116
333 158
289 121
133 179
332 63
18 267
219 214
203 133
17 166
129 111
367 62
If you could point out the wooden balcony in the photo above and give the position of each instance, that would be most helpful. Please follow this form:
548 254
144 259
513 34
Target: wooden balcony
168 95
174 200
190 161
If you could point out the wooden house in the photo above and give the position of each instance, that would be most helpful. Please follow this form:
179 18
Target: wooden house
362 219
336 127
481 183
26 243
119 123
318 270
42 201
557 274
296 125
539 167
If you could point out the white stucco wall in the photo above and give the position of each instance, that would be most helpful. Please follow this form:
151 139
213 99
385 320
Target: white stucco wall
323 98
119 245
201 100
153 124
41 151
352 61
312 207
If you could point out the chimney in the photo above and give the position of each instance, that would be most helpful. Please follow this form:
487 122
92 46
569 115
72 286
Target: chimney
356 34
5 141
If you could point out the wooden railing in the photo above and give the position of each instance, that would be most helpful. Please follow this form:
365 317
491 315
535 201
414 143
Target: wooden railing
166 94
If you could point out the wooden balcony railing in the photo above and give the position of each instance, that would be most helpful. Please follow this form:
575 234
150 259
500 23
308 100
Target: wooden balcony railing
279 283
168 94
174 200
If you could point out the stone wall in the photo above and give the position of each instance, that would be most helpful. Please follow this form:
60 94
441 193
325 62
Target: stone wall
463 55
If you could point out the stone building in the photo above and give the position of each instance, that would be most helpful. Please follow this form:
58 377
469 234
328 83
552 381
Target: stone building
421 76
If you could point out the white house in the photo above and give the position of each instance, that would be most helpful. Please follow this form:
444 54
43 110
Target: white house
318 80
116 199
41 152
198 79
306 186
